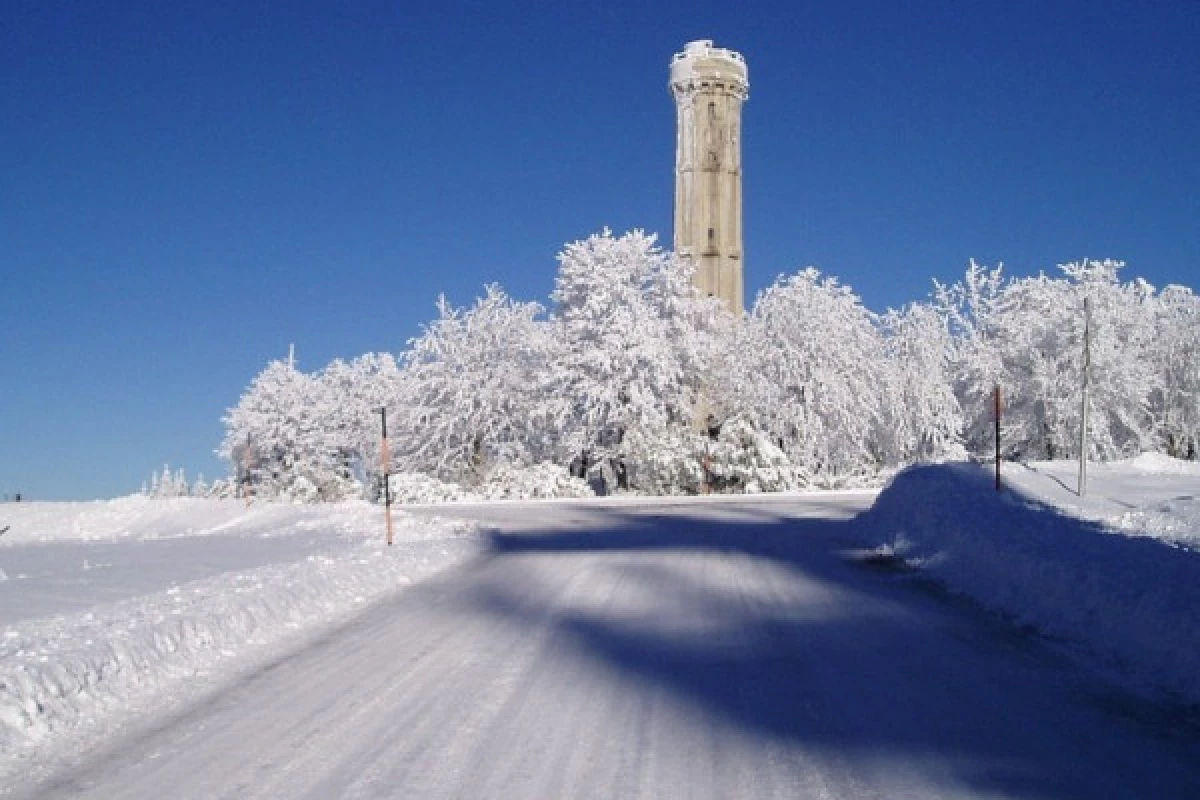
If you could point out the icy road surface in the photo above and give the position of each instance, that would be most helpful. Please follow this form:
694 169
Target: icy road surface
661 649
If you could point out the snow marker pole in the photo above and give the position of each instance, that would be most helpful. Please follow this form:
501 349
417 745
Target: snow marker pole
387 488
997 398
1083 408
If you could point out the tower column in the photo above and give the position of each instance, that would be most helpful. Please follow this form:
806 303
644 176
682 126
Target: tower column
709 85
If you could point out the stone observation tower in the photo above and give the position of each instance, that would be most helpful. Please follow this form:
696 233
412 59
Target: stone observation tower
709 85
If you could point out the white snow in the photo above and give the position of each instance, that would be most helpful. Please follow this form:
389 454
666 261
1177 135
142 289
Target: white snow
1150 495
111 608
614 647
540 481
1115 572
115 612
685 70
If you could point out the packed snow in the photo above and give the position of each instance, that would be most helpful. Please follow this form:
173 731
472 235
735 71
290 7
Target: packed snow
1114 572
113 608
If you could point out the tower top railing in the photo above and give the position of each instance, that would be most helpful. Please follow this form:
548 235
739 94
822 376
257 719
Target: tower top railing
703 48
702 63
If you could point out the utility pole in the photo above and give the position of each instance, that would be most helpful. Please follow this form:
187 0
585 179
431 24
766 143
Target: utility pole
996 397
387 483
1083 408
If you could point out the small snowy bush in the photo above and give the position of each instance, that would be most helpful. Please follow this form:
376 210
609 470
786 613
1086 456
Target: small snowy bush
416 487
741 459
540 480
503 482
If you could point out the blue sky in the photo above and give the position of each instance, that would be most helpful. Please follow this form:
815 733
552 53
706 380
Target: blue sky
186 189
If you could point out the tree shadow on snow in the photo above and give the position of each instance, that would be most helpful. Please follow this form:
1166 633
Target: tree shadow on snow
760 623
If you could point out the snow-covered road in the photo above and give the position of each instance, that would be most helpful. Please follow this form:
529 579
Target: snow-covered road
660 649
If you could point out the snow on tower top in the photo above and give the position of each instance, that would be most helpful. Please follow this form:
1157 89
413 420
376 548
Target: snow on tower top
701 63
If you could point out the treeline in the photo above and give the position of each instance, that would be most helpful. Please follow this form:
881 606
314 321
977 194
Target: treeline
175 483
631 379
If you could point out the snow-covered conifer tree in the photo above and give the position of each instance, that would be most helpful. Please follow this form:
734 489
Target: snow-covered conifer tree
168 483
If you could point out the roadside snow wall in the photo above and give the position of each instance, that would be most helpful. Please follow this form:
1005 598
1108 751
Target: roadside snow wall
1132 599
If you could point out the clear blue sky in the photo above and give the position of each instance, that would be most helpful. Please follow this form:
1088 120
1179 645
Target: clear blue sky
187 188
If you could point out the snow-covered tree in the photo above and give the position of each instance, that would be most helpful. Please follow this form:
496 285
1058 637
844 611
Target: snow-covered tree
168 483
281 439
1175 360
639 380
480 386
1122 374
970 310
635 336
805 370
1026 335
355 391
921 418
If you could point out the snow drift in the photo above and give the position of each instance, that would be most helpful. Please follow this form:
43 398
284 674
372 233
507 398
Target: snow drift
1126 594
268 573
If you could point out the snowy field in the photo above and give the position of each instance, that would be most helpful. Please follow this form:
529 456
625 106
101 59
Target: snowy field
111 609
1115 572
1151 495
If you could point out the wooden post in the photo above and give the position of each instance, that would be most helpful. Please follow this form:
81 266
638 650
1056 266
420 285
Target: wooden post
997 403
387 483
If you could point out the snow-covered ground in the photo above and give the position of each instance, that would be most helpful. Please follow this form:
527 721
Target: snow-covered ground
712 648
1115 572
115 613
109 609
1151 495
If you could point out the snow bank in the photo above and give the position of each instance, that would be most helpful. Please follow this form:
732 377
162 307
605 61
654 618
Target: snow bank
135 516
1161 464
504 482
72 674
1133 599
527 483
417 488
